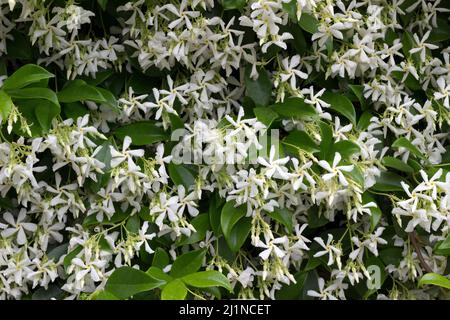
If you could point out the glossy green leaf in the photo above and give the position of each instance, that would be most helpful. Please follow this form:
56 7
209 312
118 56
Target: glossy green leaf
204 279
260 90
388 181
308 23
340 104
346 148
265 115
301 140
434 279
25 76
181 175
187 263
104 295
6 105
403 142
79 90
142 133
125 282
102 3
295 108
174 290
72 254
364 121
443 247
283 216
326 137
358 92
239 234
160 258
157 273
230 216
398 164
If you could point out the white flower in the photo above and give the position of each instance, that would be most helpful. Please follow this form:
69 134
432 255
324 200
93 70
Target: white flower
271 246
443 93
323 293
290 71
422 46
19 226
125 155
334 253
335 170
274 167
144 237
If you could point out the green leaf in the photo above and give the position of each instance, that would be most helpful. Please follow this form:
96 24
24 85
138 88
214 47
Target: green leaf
441 33
133 224
358 92
315 218
230 216
160 258
340 104
6 105
187 263
125 282
180 175
301 140
398 164
174 290
142 133
295 108
52 292
75 110
392 255
110 99
157 273
443 247
79 90
239 234
434 279
326 140
409 43
214 212
308 23
43 101
291 9
402 142
364 121
233 4
102 4
175 122
34 93
260 90
283 216
346 148
72 254
388 181
205 279
25 76
104 295
356 175
265 115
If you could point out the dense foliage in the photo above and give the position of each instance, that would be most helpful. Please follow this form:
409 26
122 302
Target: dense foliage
319 131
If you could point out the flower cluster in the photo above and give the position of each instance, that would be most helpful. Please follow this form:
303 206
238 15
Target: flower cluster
317 134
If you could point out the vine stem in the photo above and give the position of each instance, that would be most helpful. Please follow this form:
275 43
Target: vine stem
417 247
